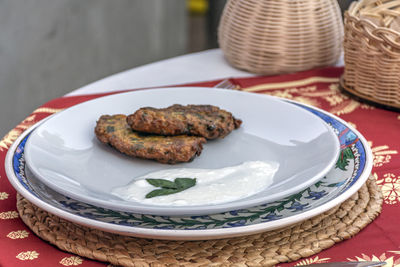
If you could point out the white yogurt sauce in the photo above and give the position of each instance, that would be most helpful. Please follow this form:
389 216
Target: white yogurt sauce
213 186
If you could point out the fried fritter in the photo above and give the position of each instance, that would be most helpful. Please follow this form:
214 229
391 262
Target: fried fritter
208 121
115 131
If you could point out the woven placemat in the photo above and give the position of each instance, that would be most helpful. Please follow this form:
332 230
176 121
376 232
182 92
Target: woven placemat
266 249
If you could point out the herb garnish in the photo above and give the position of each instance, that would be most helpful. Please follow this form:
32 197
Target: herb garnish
168 187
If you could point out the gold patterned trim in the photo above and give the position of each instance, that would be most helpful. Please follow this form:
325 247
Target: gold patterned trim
20 234
3 195
9 215
382 154
71 261
298 83
48 110
27 255
390 186
345 107
390 261
312 260
11 136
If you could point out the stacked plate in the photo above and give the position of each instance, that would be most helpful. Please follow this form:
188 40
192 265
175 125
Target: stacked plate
61 167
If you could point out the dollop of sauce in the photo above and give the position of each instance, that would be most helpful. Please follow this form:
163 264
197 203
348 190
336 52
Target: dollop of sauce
213 186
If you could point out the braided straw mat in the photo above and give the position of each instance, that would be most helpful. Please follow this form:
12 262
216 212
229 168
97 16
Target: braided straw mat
266 249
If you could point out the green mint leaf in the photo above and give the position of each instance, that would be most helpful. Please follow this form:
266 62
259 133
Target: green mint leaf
185 183
162 183
162 192
168 187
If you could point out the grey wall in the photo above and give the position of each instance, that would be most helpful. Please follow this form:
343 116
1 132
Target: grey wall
50 47
344 4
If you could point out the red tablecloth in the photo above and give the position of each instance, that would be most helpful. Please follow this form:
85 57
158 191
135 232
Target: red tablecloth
378 241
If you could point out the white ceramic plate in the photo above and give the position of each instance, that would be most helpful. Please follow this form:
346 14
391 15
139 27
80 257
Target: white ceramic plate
64 153
341 182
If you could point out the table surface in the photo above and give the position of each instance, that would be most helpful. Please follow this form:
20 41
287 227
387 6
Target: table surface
191 68
196 67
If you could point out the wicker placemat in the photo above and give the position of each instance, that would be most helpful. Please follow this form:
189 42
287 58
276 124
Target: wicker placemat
266 249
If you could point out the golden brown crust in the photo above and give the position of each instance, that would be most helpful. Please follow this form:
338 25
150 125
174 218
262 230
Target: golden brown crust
115 131
208 121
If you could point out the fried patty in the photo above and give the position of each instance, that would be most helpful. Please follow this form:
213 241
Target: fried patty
115 131
207 121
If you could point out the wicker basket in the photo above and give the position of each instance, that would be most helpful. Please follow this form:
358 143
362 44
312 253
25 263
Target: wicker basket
372 51
280 36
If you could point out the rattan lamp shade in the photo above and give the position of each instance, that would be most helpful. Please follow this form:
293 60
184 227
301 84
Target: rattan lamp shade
372 51
280 36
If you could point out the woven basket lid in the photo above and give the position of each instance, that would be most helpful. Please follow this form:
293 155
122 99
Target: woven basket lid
272 37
